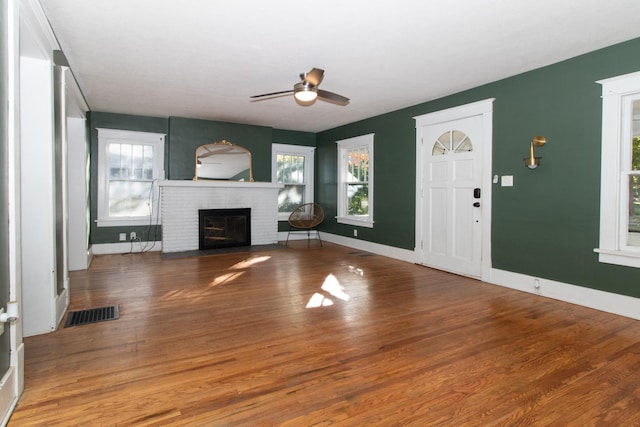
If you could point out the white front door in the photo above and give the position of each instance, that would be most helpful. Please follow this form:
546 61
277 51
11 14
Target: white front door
451 197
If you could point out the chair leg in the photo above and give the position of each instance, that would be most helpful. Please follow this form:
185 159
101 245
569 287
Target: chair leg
287 242
321 245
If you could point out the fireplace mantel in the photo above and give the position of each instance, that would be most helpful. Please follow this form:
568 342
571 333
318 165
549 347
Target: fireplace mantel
223 184
181 201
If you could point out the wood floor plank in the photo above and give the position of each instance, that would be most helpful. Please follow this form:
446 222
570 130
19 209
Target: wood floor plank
324 336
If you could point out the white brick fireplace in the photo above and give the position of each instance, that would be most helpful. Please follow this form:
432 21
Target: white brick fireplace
181 201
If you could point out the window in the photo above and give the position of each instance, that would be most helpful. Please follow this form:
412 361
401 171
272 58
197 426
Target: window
292 166
355 181
620 171
128 164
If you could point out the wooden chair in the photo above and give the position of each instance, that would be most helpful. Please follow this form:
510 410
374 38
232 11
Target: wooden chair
306 218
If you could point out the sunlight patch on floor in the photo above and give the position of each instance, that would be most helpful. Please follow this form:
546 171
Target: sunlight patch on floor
249 262
319 300
225 278
233 273
332 286
355 270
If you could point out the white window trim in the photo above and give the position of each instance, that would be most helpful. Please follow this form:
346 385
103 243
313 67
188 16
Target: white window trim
344 146
296 150
616 127
108 135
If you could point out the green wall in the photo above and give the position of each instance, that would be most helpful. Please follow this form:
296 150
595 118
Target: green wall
184 135
394 180
547 224
294 137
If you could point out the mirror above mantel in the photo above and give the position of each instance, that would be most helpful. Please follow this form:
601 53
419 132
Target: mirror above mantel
223 160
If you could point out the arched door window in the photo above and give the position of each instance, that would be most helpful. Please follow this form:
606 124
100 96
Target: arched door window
451 141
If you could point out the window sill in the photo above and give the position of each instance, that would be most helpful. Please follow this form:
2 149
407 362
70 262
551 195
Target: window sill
126 222
626 258
354 221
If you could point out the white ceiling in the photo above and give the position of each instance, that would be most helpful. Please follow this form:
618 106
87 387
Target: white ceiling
204 58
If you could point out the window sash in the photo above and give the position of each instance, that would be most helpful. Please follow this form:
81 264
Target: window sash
290 197
130 199
130 181
130 161
290 168
357 199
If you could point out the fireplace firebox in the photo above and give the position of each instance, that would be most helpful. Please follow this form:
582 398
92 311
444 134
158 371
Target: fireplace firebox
224 228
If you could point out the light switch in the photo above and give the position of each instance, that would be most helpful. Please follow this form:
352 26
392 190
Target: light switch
506 180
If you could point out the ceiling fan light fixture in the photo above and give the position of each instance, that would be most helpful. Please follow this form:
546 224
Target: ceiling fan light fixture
305 92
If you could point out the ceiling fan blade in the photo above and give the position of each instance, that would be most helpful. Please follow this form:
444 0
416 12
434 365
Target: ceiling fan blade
330 96
272 94
314 77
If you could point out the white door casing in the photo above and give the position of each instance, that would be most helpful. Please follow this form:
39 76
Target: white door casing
453 159
12 380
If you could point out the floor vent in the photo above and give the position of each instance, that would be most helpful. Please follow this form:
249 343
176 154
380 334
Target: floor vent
94 315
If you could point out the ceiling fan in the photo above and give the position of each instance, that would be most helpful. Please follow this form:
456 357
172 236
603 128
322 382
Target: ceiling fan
307 90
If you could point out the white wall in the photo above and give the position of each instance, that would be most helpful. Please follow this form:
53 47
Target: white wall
78 194
37 187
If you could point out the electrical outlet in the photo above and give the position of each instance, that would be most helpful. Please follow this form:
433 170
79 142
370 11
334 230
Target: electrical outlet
355 232
133 235
123 237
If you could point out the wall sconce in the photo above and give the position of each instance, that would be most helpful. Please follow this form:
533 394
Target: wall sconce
532 161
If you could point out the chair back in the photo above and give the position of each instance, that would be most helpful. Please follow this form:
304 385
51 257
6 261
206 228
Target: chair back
307 216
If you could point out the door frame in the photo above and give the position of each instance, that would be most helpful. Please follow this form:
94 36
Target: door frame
484 109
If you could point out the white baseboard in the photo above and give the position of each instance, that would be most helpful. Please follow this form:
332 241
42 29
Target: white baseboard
363 245
125 248
600 300
8 395
62 302
18 361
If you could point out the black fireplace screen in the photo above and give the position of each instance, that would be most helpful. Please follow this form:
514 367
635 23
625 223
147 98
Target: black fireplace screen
224 228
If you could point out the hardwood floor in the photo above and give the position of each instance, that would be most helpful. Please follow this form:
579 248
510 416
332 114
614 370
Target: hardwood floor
324 336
